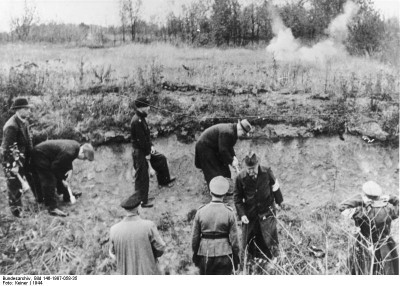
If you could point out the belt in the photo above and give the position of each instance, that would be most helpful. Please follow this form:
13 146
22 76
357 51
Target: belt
214 235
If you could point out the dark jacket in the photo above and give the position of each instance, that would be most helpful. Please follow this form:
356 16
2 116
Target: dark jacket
218 221
56 155
15 131
221 138
256 197
140 133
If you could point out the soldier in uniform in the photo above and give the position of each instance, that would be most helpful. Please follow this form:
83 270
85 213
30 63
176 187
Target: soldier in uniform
135 243
214 150
214 239
145 157
52 161
257 195
16 135
373 215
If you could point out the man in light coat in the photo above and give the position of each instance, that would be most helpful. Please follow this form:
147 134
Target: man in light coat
135 243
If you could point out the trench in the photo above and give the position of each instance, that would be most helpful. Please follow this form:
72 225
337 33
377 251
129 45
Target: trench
313 173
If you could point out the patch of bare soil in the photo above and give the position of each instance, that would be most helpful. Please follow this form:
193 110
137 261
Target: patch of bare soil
313 173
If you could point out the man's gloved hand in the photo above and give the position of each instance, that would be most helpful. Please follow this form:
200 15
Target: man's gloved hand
349 212
244 219
279 207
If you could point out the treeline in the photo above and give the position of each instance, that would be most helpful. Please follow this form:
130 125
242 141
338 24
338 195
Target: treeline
226 23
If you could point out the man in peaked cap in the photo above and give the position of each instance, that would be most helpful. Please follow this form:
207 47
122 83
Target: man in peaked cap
135 243
145 157
214 238
214 150
17 139
52 160
373 215
257 194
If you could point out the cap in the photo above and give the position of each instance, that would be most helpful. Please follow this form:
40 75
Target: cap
219 186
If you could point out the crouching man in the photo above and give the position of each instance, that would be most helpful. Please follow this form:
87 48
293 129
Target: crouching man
214 239
52 160
135 243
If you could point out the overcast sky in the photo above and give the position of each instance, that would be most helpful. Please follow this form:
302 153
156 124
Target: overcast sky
105 12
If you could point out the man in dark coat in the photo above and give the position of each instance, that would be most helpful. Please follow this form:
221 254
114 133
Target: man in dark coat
52 160
135 243
215 241
145 157
17 141
256 194
373 215
214 150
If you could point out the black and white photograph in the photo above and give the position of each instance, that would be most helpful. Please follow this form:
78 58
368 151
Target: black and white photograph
198 137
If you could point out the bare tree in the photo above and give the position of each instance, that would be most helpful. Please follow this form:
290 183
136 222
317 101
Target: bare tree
133 11
123 17
22 25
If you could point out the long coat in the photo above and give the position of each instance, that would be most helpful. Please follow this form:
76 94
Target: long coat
16 131
136 244
56 155
374 220
256 198
214 150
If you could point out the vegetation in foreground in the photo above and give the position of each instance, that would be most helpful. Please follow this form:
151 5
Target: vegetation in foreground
78 244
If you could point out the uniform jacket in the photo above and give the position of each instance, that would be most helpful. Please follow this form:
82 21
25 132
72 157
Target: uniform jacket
140 133
256 197
16 131
56 155
382 216
374 218
221 138
136 244
215 218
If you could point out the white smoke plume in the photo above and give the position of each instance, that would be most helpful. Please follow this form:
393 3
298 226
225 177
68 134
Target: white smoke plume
285 47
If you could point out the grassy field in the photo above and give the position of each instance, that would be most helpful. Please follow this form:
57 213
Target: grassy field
81 91
87 94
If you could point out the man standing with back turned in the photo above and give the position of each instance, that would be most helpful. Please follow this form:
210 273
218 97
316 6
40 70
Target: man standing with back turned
214 239
135 243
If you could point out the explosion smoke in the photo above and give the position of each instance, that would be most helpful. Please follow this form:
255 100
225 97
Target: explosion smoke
285 47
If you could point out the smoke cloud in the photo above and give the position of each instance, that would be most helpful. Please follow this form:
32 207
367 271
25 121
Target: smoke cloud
285 47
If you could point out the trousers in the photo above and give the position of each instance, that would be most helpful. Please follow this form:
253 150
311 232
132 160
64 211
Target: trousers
158 162
219 265
260 238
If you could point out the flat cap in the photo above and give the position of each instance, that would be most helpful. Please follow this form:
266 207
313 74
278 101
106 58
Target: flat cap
142 102
219 186
131 202
371 188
